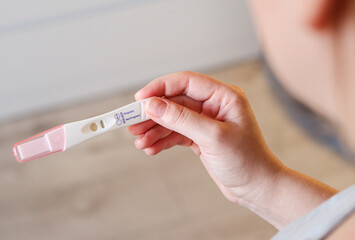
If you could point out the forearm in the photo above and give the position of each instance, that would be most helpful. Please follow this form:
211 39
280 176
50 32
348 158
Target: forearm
287 196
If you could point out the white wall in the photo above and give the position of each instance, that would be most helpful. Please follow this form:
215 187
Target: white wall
57 52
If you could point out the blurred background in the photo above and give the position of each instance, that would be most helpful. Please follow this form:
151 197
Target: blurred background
59 52
62 61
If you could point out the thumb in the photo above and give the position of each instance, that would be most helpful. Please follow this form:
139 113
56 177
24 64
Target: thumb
180 119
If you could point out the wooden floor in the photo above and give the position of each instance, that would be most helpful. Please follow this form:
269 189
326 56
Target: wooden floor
107 189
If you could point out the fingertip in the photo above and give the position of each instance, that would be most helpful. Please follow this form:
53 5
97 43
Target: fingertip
137 95
150 151
141 128
139 142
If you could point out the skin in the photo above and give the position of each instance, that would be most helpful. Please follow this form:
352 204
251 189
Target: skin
216 121
344 231
310 47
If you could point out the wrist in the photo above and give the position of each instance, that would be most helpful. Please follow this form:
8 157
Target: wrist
261 182
261 196
284 195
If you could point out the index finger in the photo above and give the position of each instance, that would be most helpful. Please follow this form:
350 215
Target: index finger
197 86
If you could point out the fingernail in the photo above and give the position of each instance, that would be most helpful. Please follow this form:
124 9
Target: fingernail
156 107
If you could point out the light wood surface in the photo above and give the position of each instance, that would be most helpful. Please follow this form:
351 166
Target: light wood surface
107 189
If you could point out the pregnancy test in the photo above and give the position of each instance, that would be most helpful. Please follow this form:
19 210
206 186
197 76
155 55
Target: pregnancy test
65 136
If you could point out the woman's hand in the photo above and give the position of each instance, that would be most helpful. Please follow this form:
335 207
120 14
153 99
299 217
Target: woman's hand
216 121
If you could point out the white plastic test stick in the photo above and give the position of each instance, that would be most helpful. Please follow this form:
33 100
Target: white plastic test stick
68 135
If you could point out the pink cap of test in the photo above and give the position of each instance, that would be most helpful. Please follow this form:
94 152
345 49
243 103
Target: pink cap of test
40 145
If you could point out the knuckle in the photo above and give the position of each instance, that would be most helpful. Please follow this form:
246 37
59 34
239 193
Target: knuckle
238 90
187 72
218 132
238 96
